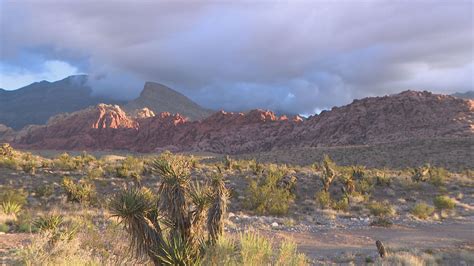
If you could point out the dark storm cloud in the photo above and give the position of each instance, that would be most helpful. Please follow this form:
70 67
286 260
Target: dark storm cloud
296 56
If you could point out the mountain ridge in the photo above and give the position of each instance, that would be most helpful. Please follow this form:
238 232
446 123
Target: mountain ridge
405 116
160 98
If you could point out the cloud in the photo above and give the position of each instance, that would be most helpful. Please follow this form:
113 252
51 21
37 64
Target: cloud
240 55
12 77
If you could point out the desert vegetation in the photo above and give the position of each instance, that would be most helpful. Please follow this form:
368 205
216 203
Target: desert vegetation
176 209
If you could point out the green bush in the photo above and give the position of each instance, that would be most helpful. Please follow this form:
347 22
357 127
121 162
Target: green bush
95 173
444 203
341 205
81 191
130 166
4 228
265 196
365 185
422 210
13 195
383 209
9 163
255 249
323 199
438 176
65 162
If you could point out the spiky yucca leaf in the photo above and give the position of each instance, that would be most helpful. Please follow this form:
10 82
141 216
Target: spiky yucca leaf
173 192
177 251
216 213
133 207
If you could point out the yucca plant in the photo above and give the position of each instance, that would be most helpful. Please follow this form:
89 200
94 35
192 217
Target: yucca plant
170 227
10 207
54 227
215 218
328 173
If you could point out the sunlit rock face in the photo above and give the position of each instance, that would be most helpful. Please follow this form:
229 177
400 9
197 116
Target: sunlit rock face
405 116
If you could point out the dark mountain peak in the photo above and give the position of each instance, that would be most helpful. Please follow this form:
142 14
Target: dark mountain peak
160 98
464 95
153 89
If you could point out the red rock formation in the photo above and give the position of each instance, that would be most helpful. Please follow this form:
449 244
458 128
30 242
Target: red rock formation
408 115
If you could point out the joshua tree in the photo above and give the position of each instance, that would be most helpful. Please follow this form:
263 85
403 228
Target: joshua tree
381 249
170 227
328 173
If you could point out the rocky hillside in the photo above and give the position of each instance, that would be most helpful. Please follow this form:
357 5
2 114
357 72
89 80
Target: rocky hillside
6 134
159 98
406 116
36 103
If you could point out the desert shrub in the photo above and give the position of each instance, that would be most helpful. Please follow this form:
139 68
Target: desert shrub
171 227
9 162
266 196
422 210
81 191
224 252
323 199
383 209
4 228
255 249
420 174
10 208
365 186
288 255
349 184
13 195
382 179
65 162
29 163
6 150
228 163
328 172
358 172
95 173
438 176
44 191
341 205
256 167
55 228
444 203
130 166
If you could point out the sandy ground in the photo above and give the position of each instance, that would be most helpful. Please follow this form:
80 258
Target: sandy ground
337 243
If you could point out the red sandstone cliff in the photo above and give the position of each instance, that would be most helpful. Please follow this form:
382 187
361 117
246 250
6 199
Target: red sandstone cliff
404 116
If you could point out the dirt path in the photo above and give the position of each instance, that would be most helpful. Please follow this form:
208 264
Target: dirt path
334 242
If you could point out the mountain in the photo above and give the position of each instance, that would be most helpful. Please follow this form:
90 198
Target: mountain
6 134
159 98
410 115
464 95
36 103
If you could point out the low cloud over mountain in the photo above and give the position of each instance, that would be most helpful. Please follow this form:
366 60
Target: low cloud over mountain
297 57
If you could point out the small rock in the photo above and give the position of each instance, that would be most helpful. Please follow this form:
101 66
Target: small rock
274 224
231 214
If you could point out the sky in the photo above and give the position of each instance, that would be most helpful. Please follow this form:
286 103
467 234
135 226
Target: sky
288 56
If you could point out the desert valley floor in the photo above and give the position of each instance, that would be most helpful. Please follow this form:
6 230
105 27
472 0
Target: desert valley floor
421 212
